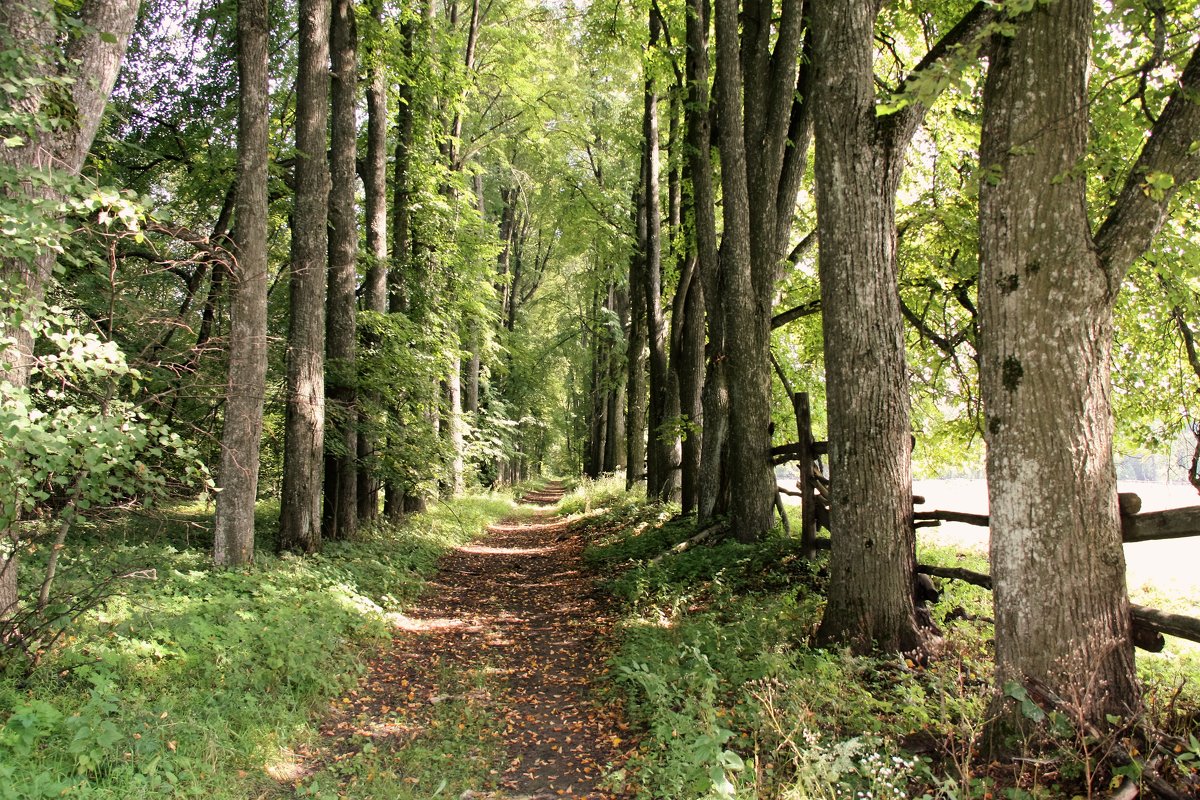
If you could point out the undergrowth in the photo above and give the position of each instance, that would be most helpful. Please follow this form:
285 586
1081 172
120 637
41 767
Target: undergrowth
716 669
448 754
197 683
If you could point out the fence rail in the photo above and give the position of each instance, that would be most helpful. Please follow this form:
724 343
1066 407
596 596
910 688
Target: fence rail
1149 625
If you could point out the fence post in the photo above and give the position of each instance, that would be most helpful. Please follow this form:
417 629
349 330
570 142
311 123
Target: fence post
808 498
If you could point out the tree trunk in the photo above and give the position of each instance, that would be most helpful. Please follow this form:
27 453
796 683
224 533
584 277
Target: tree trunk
687 363
375 289
598 432
754 101
1047 289
1058 568
300 505
873 562
90 63
614 438
95 50
472 370
714 399
398 299
663 450
635 363
859 164
593 458
453 428
233 541
341 474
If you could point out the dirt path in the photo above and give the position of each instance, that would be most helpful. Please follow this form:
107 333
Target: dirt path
519 607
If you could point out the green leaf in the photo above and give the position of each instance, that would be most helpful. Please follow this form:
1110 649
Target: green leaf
1157 185
720 781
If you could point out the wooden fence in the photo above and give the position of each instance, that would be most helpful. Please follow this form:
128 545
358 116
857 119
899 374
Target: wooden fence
812 487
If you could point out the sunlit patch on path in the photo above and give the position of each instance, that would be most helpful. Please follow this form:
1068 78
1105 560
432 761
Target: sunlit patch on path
505 551
518 612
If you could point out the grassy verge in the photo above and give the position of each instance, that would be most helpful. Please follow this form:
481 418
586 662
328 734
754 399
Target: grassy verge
201 681
716 669
450 751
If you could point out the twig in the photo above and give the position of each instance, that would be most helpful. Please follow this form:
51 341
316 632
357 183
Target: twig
1046 697
690 543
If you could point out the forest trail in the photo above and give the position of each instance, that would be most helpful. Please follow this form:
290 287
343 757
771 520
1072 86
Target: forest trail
519 608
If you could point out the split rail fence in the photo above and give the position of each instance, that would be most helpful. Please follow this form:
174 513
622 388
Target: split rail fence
812 487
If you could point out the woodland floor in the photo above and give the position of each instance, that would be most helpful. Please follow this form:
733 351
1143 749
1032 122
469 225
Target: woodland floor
519 609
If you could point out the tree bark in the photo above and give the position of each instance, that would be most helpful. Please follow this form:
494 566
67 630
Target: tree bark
755 91
1048 417
398 296
873 562
91 60
663 449
698 174
300 505
687 365
714 399
375 288
233 541
635 362
1047 289
95 56
614 438
860 159
453 428
597 425
341 475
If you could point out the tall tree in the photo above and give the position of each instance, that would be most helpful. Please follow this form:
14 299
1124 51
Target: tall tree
375 285
340 512
397 497
859 164
614 437
635 358
714 395
663 450
233 540
54 146
1047 289
687 366
300 506
763 139
453 426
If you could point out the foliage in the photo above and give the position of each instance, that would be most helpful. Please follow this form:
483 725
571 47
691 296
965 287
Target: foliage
716 668
193 683
449 758
71 448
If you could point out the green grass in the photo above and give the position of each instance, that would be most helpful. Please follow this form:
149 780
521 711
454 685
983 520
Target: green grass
195 682
449 753
716 668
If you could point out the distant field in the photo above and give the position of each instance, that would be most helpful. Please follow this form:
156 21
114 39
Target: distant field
1160 568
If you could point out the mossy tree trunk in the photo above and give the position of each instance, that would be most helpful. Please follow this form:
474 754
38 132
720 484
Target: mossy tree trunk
1047 290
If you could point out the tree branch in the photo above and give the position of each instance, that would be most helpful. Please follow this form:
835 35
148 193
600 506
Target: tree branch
802 248
942 343
802 310
783 378
1142 206
1189 339
899 127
